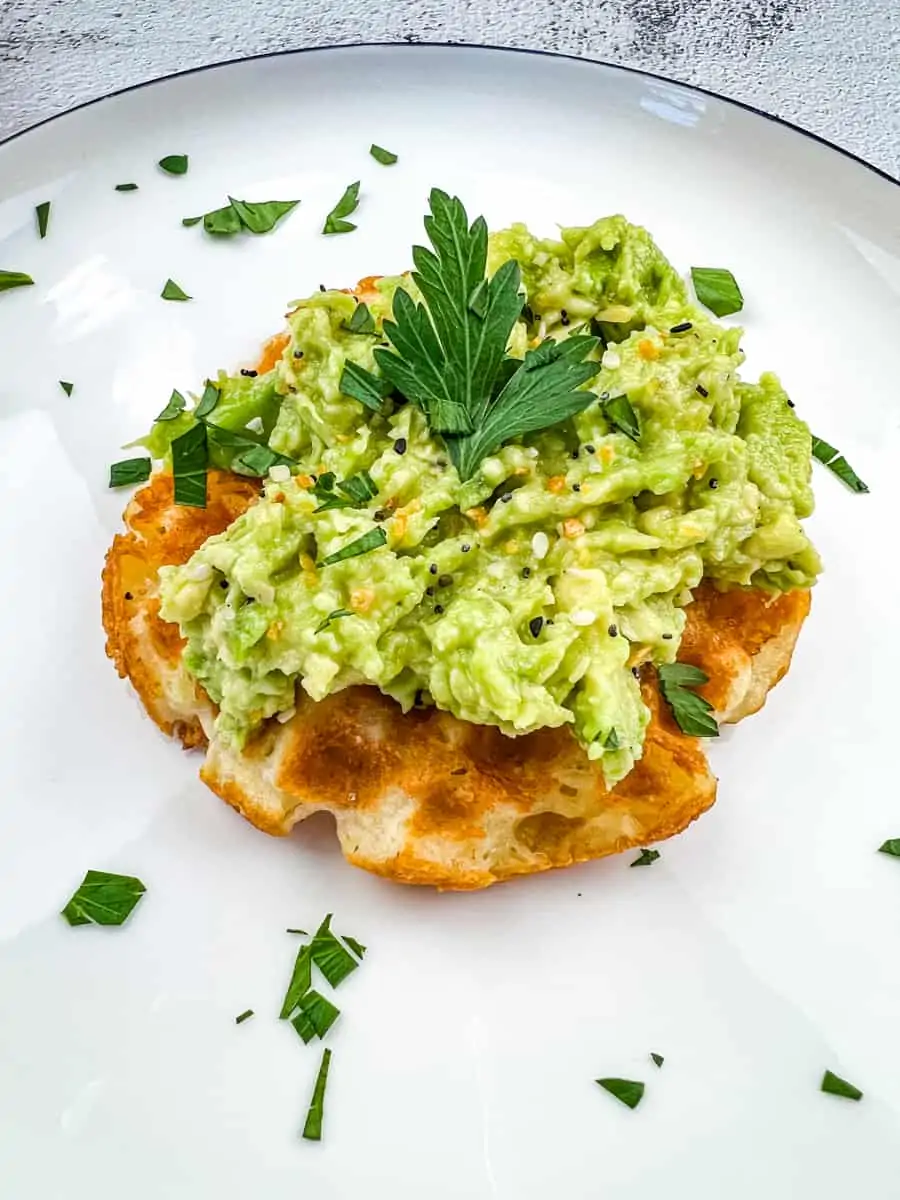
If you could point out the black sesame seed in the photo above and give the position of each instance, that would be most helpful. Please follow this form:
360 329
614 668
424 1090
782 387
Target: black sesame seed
380 514
613 631
682 328
714 483
322 287
506 497
791 404
465 547
433 568
314 478
298 354
439 608
223 583
128 595
526 572
635 672
536 624
702 390
576 487
417 700
563 317
248 373
589 449
445 581
549 620
574 453
429 591
400 446
667 637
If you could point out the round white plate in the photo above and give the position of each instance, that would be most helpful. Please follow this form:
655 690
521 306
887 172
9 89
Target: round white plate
757 952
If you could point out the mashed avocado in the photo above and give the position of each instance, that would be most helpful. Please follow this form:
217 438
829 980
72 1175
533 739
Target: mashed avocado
523 596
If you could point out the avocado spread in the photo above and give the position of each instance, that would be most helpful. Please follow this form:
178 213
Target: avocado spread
523 595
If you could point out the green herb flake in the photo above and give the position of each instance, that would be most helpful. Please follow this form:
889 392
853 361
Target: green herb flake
837 464
316 1016
173 408
645 859
717 290
357 947
244 1016
629 1091
14 279
348 203
657 1058
126 187
171 291
359 488
385 157
331 956
190 457
129 472
611 741
174 164
835 1086
42 212
362 545
300 983
67 387
621 416
360 384
208 401
254 216
362 321
312 1130
693 713
302 932
332 616
891 846
104 899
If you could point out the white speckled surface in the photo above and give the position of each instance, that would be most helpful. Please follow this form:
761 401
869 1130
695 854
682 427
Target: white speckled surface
827 65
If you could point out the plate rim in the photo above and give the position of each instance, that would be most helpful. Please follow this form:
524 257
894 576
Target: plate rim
414 46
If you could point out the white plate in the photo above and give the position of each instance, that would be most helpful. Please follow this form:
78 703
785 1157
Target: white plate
759 950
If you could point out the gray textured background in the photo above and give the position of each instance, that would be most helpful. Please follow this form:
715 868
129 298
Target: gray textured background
832 66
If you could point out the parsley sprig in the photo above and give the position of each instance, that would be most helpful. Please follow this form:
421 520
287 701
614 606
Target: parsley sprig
693 713
449 354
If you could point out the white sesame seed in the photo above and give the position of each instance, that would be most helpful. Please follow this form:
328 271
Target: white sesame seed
583 616
281 473
286 715
611 359
540 544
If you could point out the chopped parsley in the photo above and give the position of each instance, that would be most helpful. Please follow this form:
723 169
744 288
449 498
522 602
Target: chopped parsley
238 215
14 279
67 387
362 545
332 616
316 1016
835 1086
104 899
129 471
717 289
348 203
300 983
126 187
171 291
42 212
657 1058
837 464
173 408
244 1016
174 164
891 846
331 956
629 1091
312 1129
357 947
645 859
385 157
190 457
362 320
621 416
692 712
360 384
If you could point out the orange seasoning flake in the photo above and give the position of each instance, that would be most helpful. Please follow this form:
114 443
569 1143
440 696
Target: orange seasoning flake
362 599
557 483
648 349
572 527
